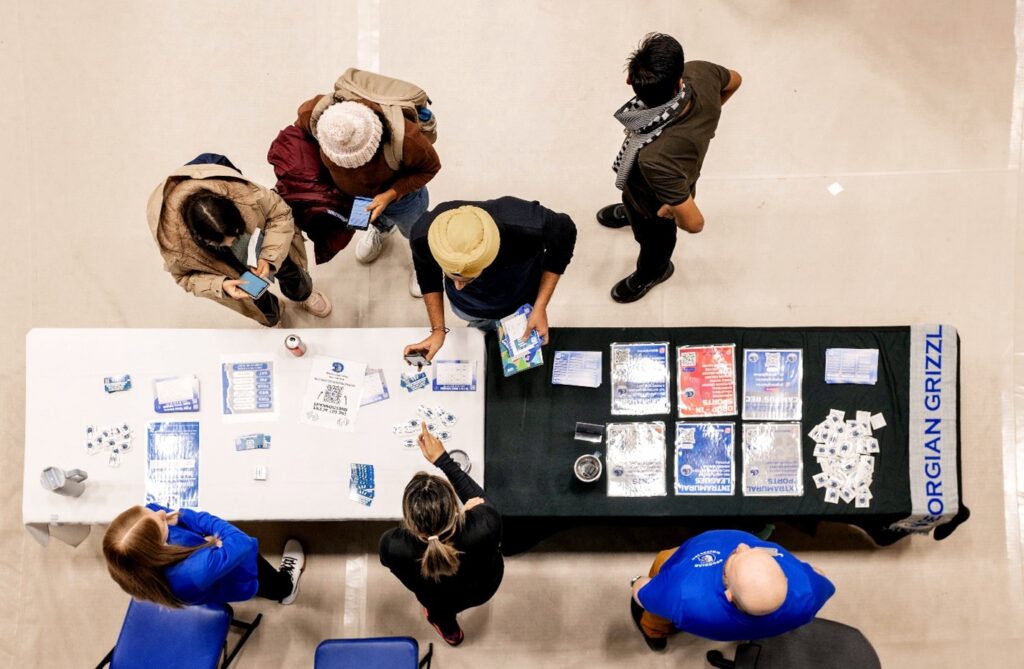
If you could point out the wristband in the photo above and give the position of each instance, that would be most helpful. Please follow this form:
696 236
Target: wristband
442 328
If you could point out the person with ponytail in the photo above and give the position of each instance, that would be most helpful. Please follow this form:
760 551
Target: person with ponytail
448 555
189 557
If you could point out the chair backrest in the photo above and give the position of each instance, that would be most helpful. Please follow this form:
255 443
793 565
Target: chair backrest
820 644
395 652
148 632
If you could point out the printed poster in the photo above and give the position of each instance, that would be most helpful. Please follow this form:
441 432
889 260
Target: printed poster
706 381
771 384
772 461
333 393
704 458
172 464
640 379
247 389
636 459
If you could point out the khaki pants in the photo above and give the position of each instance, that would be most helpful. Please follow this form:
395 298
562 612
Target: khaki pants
654 626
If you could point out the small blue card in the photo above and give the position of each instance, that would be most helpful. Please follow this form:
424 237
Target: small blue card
361 483
577 368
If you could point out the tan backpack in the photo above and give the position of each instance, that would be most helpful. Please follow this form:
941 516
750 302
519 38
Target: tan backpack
398 100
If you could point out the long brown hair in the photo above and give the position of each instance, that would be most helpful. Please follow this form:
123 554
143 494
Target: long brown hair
430 510
137 554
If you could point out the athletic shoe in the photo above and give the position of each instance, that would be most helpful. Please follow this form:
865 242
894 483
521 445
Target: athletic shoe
613 216
371 244
453 639
637 611
629 290
292 562
414 284
317 304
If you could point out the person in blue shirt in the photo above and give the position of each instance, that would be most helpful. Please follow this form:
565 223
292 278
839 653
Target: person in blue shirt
186 557
726 585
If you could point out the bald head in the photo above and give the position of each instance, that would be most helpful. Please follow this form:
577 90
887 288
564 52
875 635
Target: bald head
754 581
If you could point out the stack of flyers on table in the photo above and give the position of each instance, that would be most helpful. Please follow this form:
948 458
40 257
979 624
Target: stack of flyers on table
851 365
771 384
704 458
706 380
640 379
361 484
845 450
247 389
439 422
454 375
520 350
772 462
577 368
116 384
252 442
636 459
116 439
375 387
413 380
176 394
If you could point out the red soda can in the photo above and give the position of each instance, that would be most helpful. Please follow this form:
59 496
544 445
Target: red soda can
295 345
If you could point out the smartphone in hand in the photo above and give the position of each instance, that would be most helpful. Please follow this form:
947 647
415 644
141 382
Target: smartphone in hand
253 285
359 218
417 358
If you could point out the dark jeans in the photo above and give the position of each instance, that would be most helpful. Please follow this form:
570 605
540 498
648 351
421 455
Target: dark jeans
273 584
296 285
657 239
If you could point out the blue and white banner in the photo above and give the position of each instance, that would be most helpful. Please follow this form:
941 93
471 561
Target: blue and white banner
933 429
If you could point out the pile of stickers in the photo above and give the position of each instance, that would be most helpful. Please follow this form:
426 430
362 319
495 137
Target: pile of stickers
437 420
361 484
116 439
845 450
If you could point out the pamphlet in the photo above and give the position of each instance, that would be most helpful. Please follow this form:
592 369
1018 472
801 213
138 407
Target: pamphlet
176 394
172 465
704 458
518 354
772 461
577 368
454 375
771 384
247 389
640 379
375 387
706 381
851 365
333 393
636 459
361 486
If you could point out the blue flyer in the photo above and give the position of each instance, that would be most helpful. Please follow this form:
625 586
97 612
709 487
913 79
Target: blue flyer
176 394
772 380
851 365
704 458
247 388
361 487
172 465
640 379
577 368
375 387
454 375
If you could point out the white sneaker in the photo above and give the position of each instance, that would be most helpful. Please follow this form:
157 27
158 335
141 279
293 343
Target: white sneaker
371 244
414 284
317 304
292 562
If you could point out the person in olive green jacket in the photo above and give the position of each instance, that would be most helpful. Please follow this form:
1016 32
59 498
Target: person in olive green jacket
203 217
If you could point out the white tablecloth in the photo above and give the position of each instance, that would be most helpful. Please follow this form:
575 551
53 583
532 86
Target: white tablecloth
307 466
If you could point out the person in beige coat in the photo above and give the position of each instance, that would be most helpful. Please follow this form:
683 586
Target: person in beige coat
203 216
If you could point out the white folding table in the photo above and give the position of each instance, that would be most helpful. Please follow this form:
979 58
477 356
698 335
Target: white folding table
307 466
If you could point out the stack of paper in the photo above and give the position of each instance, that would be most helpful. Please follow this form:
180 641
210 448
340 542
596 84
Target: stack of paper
577 368
520 350
772 461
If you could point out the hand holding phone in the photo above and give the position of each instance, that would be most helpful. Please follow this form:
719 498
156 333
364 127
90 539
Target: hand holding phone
359 218
417 357
253 285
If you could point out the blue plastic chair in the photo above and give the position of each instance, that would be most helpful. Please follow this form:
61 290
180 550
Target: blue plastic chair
148 631
392 652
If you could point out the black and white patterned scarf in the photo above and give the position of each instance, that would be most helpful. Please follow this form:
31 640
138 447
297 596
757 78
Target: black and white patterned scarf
643 126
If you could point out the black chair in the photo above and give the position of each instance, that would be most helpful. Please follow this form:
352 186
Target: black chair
146 637
821 644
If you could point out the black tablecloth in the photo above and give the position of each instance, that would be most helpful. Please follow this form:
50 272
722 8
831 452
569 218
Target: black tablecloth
530 447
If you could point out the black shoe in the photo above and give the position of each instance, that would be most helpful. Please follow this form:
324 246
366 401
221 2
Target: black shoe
613 216
628 290
637 611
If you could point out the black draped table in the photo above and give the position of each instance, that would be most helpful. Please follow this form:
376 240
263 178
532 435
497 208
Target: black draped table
530 425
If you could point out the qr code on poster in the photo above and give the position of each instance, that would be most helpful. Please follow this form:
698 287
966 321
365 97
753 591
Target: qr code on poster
332 394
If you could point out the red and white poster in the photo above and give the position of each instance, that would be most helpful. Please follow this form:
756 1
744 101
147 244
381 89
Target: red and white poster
706 377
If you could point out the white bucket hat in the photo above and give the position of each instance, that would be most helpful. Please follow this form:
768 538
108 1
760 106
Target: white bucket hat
349 134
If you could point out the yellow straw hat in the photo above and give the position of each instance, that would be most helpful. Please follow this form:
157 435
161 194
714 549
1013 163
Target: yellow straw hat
464 241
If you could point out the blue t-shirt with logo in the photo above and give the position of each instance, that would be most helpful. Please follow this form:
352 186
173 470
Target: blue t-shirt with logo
689 590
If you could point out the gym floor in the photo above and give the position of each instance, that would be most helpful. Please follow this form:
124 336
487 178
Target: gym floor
914 107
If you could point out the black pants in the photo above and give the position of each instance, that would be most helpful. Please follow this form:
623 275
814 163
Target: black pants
657 239
445 619
296 285
273 584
